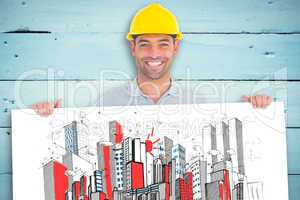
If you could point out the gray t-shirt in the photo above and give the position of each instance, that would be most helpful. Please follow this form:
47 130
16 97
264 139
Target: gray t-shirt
129 94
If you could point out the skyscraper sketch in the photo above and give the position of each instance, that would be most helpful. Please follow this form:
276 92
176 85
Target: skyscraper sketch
154 168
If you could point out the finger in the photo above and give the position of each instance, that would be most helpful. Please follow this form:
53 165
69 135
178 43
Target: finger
50 110
253 102
264 101
42 111
50 105
42 108
259 101
46 111
34 108
39 107
246 98
57 103
268 101
39 112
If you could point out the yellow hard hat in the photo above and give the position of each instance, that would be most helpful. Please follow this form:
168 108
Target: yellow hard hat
154 19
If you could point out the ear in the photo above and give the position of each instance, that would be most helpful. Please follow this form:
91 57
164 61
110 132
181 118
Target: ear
132 47
176 46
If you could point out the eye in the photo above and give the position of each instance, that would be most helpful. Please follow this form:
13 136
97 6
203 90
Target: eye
164 44
143 44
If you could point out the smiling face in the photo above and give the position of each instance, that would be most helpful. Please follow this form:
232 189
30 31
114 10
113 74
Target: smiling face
154 54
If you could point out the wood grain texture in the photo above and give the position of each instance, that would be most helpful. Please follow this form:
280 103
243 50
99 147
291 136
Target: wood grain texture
236 43
294 187
6 186
87 56
5 151
293 150
193 15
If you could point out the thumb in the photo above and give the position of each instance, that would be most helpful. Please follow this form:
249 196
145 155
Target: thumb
246 98
57 103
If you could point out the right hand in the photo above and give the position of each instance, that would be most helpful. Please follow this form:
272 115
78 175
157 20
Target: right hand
45 109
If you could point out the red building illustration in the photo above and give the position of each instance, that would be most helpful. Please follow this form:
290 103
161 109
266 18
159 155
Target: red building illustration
55 181
139 168
136 174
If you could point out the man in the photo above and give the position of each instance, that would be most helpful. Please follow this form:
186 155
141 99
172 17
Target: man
154 39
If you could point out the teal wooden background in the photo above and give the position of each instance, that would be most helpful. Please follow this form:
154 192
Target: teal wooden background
77 49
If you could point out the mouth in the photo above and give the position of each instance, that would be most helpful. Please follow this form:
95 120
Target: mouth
154 64
155 67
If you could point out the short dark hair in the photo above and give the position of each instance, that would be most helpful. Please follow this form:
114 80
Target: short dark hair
172 35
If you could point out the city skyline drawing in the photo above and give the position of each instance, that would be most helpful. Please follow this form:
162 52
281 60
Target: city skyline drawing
199 152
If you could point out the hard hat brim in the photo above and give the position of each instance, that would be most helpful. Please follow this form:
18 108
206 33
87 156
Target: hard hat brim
130 36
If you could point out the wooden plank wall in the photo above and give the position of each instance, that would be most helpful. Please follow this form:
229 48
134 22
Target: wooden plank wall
77 49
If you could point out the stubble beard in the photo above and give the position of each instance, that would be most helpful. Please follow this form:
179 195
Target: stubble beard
151 75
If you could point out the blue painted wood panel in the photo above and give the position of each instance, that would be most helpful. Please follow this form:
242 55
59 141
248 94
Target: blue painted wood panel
5 151
294 187
88 55
114 15
293 150
6 186
223 40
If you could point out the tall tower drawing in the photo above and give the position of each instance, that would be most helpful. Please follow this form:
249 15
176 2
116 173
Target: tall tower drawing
77 167
213 143
115 132
209 148
236 143
178 153
226 143
106 164
136 149
127 157
172 167
116 138
76 139
165 149
157 170
135 168
55 181
226 176
71 137
198 168
144 162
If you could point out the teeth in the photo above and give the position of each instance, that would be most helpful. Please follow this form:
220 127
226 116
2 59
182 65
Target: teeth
156 63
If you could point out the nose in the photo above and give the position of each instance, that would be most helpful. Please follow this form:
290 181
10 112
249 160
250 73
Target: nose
154 52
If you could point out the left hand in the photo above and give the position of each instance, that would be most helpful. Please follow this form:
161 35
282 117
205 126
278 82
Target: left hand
258 101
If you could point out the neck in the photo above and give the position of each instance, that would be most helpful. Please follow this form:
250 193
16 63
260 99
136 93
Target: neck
154 88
